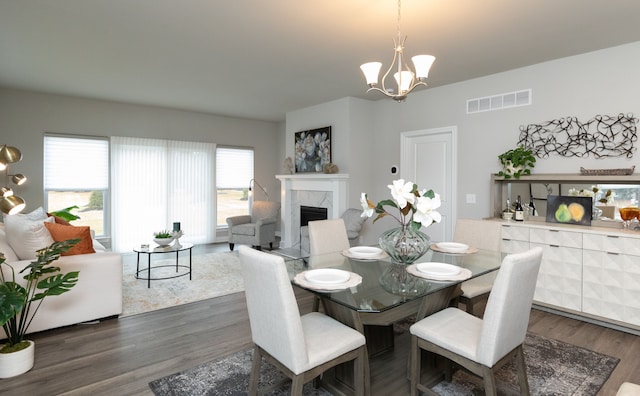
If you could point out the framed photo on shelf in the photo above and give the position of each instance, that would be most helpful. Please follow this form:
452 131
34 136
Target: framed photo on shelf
312 149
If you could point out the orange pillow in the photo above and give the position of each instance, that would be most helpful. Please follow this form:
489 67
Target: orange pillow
60 233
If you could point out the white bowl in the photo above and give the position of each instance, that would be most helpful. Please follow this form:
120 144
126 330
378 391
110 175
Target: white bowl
163 241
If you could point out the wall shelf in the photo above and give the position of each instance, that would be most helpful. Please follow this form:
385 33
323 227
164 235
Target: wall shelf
501 187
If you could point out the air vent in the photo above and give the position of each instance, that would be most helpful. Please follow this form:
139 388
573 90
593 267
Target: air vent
501 101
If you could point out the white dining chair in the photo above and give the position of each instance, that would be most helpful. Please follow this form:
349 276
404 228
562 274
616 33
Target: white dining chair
482 346
326 236
302 347
482 234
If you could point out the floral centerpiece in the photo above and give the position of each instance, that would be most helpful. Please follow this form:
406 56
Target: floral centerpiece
415 209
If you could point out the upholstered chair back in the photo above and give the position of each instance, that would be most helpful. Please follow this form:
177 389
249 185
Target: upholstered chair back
326 236
506 316
482 234
273 312
264 210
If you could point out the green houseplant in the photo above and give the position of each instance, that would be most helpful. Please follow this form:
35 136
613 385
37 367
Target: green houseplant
19 304
516 162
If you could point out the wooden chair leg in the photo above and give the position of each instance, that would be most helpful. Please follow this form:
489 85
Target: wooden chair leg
522 372
361 373
255 372
489 382
296 385
414 365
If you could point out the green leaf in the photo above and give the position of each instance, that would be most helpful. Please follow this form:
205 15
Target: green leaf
66 213
56 285
13 298
430 194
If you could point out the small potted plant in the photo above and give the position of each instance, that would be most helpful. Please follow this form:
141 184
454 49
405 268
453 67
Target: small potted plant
17 301
163 238
516 162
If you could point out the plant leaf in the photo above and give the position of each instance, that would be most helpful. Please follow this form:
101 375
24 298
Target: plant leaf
56 285
13 298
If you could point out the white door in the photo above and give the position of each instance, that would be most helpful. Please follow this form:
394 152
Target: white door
428 159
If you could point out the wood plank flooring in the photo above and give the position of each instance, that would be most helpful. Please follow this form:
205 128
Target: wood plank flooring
121 356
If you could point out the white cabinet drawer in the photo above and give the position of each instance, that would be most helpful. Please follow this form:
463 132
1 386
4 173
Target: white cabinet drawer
612 244
556 237
515 233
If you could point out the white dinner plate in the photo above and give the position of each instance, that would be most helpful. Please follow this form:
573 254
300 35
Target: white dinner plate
365 251
327 276
452 247
438 269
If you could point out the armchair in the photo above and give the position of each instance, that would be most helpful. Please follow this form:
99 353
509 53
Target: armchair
257 229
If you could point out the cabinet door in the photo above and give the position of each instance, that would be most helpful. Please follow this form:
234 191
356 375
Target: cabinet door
611 286
560 278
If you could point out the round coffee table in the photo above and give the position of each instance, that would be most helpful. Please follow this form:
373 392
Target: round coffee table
159 250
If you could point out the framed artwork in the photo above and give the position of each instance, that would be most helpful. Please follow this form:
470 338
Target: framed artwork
569 209
313 149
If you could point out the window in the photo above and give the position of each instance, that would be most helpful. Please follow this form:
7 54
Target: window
158 182
76 172
234 170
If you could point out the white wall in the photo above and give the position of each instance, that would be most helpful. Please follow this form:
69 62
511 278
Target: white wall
26 116
604 82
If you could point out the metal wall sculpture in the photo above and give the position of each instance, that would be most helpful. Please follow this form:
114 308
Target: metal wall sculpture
601 136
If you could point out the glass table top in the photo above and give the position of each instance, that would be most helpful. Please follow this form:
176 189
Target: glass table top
374 294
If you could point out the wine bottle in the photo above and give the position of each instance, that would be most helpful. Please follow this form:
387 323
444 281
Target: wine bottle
519 215
532 208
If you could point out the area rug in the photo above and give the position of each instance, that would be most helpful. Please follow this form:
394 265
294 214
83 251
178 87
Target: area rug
554 368
213 275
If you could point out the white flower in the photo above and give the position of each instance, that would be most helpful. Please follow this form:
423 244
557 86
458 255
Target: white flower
426 210
366 210
401 192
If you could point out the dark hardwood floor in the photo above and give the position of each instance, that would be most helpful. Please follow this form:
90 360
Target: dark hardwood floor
121 356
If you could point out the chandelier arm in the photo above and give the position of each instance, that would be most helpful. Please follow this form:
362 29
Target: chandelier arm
393 63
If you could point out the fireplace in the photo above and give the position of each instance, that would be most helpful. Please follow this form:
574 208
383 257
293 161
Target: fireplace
311 213
319 190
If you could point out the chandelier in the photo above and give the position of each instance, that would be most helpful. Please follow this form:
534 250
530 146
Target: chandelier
9 202
406 80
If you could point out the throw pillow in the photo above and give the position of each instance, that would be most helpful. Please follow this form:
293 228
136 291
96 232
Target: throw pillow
5 249
26 236
61 233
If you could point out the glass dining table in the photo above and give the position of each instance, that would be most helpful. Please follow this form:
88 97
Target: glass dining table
375 303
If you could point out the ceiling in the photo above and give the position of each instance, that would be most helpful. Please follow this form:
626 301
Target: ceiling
259 59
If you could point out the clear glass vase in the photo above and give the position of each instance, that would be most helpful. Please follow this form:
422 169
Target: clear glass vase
396 280
404 245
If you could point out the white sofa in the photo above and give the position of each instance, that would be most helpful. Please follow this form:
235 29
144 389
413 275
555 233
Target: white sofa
97 295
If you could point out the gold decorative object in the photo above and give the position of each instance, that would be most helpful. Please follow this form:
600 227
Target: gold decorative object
330 168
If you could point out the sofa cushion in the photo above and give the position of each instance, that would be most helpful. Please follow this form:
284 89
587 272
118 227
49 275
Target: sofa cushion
5 249
26 233
61 232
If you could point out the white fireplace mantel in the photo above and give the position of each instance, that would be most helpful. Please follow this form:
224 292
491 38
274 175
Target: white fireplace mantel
330 191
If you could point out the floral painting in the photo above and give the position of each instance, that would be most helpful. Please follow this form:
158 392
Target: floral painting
313 149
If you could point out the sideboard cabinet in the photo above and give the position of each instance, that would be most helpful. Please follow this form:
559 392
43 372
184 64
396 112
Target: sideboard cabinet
589 272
